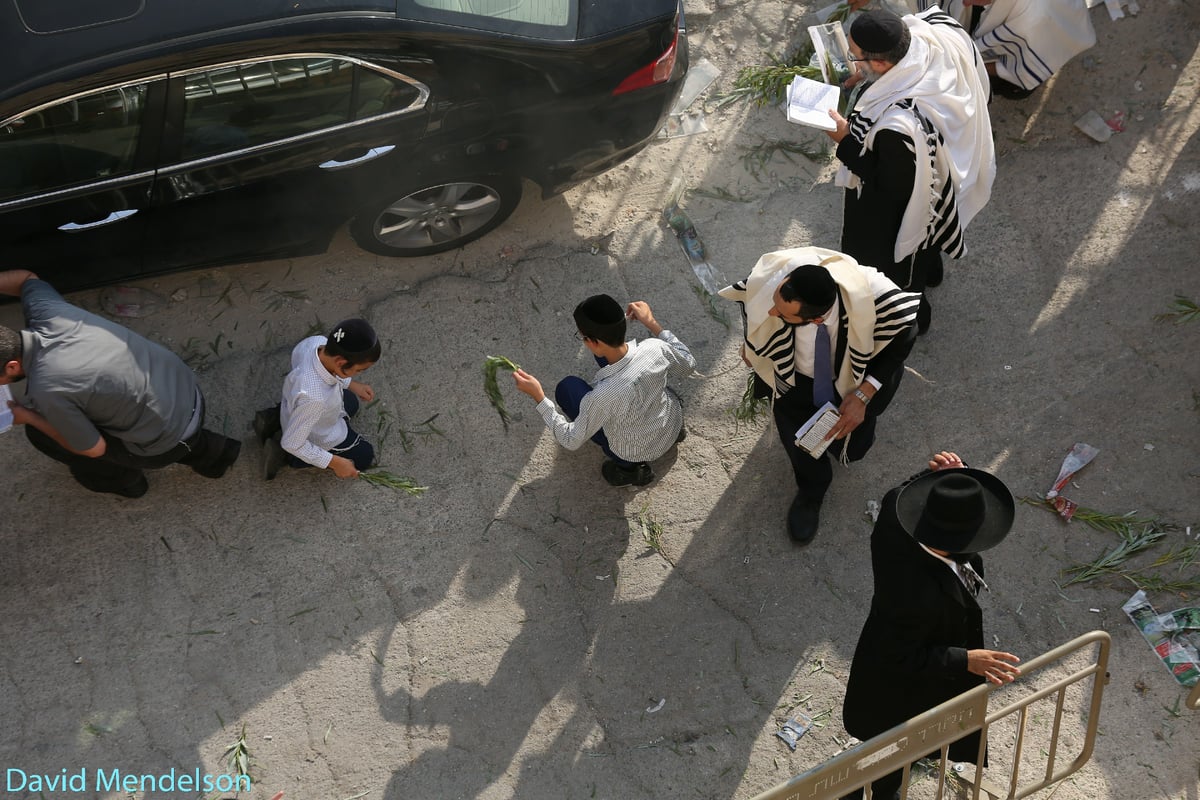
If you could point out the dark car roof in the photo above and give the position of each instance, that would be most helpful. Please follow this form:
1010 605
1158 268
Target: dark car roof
43 41
40 37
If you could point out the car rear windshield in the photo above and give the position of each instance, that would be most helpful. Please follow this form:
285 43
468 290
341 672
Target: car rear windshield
546 19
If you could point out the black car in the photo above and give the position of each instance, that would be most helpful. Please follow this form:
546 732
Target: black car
142 136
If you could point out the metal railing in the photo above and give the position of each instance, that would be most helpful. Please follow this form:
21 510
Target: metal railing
938 728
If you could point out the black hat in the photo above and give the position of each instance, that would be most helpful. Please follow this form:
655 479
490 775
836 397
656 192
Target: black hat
877 31
599 309
956 510
353 337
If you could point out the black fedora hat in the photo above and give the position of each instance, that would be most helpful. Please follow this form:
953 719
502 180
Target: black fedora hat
957 510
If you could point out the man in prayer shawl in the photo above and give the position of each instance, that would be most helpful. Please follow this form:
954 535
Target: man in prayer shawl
917 155
1023 42
797 303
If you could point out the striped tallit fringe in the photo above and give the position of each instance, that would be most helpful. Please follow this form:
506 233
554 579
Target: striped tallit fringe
943 230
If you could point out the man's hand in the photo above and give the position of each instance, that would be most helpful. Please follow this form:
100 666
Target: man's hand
362 391
27 416
843 125
852 412
21 415
945 460
529 385
11 280
640 311
993 665
343 467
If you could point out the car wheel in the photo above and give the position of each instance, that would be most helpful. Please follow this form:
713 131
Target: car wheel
438 217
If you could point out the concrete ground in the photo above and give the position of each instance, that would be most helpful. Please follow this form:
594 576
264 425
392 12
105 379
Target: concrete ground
511 633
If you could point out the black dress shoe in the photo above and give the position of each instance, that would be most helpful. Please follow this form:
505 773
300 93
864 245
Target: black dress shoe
924 316
273 459
229 454
266 423
638 474
135 489
802 519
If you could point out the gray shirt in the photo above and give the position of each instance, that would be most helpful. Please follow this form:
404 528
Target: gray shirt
86 374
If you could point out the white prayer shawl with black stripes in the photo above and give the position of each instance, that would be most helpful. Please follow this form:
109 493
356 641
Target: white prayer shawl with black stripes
936 96
1028 40
873 311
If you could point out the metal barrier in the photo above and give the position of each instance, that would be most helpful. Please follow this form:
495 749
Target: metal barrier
939 727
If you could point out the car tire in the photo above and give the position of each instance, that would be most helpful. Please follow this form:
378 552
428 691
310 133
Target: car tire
437 217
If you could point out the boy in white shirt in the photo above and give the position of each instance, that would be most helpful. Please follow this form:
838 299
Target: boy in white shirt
319 397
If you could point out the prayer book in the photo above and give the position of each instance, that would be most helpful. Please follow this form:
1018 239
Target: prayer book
809 103
810 436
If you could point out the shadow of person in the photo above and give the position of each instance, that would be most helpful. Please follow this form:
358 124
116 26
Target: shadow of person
467 721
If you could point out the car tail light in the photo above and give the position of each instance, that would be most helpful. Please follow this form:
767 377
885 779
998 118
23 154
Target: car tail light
655 73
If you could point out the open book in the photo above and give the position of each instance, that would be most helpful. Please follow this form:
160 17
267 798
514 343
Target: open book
809 103
810 436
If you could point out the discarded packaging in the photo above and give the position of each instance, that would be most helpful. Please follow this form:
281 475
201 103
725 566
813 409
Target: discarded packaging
700 76
130 301
680 125
693 247
1080 456
1174 636
1094 126
1065 508
796 726
873 510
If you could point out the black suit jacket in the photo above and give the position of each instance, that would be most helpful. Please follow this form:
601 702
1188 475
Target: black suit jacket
887 366
912 653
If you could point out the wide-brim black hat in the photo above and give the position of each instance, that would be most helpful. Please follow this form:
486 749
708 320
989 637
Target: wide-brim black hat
957 510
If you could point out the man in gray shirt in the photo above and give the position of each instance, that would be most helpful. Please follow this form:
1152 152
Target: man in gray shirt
101 399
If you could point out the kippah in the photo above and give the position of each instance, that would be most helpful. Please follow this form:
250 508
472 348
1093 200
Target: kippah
877 31
600 309
813 284
353 336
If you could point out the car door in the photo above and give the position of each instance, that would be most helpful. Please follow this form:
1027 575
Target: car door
269 155
75 182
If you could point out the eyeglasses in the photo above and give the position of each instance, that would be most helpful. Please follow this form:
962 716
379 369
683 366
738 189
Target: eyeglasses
852 58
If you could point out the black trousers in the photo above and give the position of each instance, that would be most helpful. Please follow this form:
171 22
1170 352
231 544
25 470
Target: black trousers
120 469
813 475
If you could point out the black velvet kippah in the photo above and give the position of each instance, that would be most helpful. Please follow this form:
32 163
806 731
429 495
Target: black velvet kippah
353 336
600 309
877 31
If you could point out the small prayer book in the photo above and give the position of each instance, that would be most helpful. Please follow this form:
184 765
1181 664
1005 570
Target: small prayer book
810 436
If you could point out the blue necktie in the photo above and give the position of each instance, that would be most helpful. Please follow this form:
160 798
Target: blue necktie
822 368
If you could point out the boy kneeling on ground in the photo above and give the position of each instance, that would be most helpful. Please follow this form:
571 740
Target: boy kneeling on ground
311 427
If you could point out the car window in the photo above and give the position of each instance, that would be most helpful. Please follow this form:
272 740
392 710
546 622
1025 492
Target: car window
537 12
552 19
242 105
84 139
